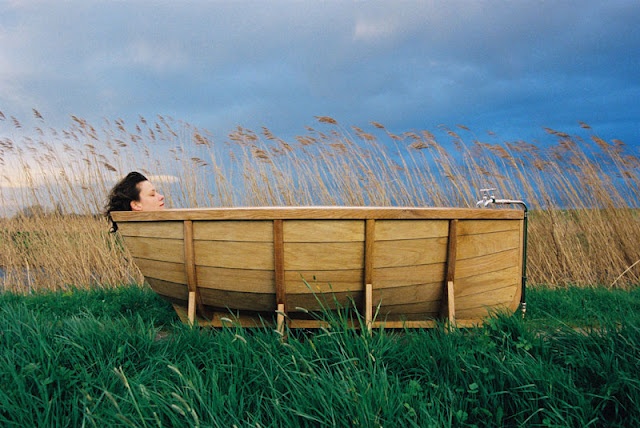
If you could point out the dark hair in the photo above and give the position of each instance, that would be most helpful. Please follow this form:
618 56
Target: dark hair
120 197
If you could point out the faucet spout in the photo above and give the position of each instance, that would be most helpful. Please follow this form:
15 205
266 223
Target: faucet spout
487 197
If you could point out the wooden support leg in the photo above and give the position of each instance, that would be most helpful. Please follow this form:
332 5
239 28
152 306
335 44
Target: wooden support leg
280 320
451 307
191 309
368 309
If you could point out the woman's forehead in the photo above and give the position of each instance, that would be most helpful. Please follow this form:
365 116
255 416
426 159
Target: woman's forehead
146 186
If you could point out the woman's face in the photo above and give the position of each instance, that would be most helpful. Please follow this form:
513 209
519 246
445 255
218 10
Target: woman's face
150 200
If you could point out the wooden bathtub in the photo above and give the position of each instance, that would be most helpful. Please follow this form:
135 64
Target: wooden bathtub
400 266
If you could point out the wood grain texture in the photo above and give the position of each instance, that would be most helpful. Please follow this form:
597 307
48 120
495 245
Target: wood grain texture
243 280
278 261
323 231
172 272
167 250
410 252
237 231
369 251
247 260
393 230
166 229
318 212
234 300
323 256
349 280
409 275
236 255
410 294
171 290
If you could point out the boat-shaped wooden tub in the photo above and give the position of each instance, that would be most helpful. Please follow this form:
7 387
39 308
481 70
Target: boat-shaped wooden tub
400 266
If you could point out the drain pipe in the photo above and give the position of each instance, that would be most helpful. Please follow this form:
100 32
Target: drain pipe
487 199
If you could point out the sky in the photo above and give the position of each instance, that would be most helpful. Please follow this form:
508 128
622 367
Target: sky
509 67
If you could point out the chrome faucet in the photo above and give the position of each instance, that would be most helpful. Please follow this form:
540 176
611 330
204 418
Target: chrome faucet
488 198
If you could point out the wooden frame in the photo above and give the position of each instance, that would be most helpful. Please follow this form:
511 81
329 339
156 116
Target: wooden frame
411 267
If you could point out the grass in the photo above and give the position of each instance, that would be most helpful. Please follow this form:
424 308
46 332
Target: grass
118 357
582 189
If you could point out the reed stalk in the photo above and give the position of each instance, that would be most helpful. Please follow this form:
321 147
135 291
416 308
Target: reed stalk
583 191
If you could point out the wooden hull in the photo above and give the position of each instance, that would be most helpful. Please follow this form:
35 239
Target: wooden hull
406 266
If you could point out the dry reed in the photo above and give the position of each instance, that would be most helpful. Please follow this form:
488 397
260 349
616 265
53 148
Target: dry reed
582 191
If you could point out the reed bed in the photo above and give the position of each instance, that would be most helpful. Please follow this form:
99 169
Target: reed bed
582 191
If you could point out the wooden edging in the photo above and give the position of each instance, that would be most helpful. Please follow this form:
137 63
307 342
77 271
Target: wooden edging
317 213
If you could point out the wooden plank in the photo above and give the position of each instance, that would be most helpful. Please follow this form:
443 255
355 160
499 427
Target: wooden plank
323 256
393 230
447 305
190 271
280 319
484 311
189 257
191 309
245 320
299 286
428 309
234 300
428 292
168 250
170 290
486 281
410 252
167 230
172 272
297 278
271 213
453 250
368 305
239 231
317 302
279 261
470 246
405 324
323 231
500 297
484 264
410 275
245 280
369 248
479 227
237 255
451 303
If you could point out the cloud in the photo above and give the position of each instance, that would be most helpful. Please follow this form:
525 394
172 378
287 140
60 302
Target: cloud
278 64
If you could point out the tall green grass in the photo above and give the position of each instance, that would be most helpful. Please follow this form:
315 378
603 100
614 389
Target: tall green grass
89 359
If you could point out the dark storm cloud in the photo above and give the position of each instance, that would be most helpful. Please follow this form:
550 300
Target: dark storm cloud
512 67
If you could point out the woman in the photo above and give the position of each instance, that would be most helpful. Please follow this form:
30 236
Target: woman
133 193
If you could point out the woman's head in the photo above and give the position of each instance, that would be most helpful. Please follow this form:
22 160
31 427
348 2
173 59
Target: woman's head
133 193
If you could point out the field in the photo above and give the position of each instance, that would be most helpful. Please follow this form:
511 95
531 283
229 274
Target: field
582 190
119 357
77 348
